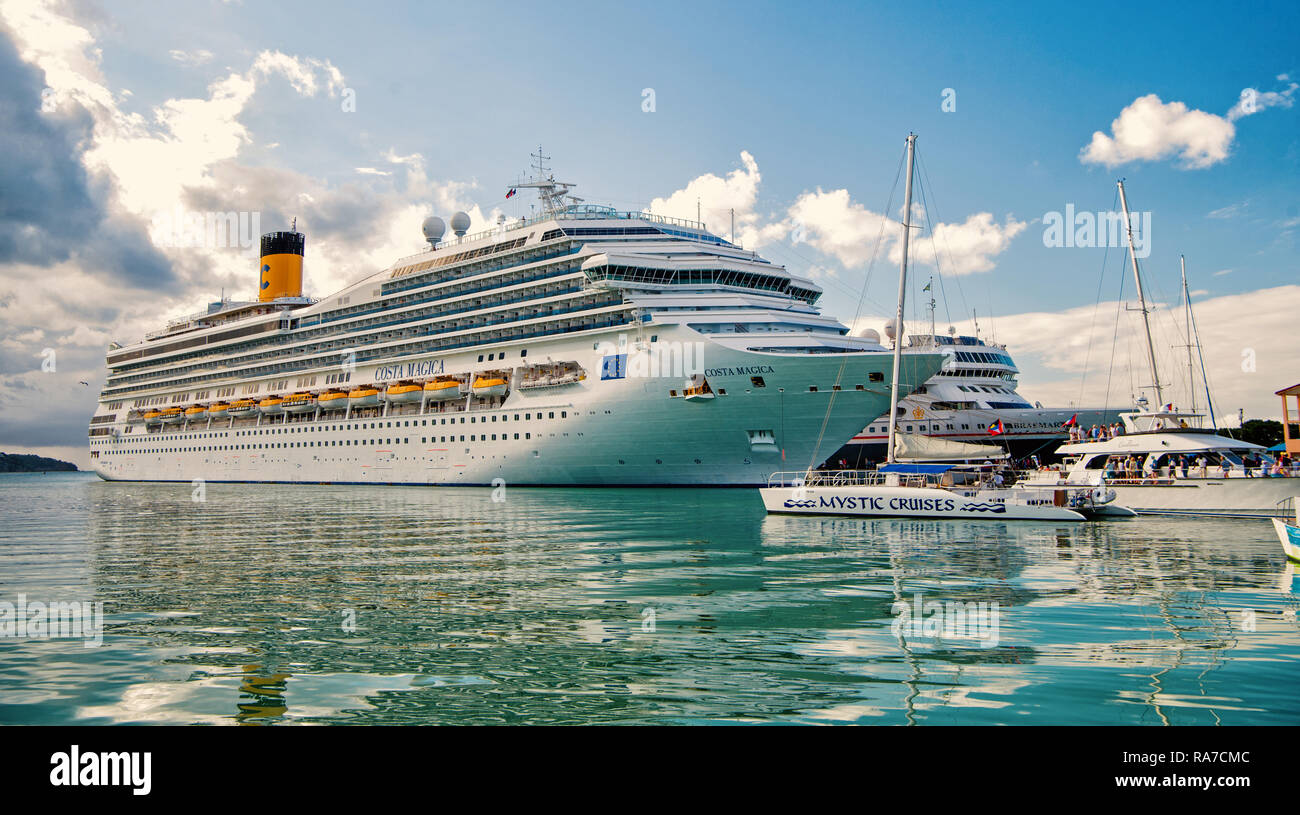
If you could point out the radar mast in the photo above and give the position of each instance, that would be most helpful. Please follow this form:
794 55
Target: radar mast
553 194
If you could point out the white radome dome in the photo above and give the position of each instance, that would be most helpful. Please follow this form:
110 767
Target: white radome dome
434 228
460 224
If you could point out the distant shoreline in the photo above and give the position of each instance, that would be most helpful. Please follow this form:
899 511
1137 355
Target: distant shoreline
25 463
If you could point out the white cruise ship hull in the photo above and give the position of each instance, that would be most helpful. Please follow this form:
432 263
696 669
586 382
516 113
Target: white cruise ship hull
601 431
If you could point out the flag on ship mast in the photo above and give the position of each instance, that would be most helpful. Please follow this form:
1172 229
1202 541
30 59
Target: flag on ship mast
511 193
1073 421
997 428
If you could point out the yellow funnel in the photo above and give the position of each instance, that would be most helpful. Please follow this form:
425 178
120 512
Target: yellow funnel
281 274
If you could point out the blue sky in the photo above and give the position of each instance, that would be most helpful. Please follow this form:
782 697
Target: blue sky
821 96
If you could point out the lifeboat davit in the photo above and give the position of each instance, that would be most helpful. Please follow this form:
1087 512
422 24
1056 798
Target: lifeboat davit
403 394
217 410
172 415
489 386
152 416
271 405
440 390
298 403
363 397
333 400
243 407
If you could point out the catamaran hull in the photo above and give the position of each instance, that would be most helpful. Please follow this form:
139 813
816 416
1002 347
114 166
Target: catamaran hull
905 502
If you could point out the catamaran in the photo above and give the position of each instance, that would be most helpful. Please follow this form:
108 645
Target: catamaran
924 490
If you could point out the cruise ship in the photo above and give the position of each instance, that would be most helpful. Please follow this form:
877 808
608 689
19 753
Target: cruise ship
973 392
579 346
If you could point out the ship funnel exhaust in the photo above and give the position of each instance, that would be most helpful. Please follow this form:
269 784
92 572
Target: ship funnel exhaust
281 276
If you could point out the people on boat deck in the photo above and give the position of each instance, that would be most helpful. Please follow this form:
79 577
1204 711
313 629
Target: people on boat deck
1182 461
1104 432
1202 467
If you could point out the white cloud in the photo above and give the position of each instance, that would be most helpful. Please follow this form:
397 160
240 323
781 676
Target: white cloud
1247 340
965 248
372 171
191 58
1253 101
834 224
305 74
1151 130
86 336
1229 211
717 196
184 150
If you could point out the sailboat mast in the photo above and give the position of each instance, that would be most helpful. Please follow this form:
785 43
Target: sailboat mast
1187 301
1142 300
902 294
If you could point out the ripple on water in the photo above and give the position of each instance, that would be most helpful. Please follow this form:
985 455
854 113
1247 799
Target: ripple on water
277 604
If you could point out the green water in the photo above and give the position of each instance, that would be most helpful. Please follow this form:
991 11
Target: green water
283 605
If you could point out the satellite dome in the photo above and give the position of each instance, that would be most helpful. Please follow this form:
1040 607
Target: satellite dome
434 228
870 335
460 224
889 329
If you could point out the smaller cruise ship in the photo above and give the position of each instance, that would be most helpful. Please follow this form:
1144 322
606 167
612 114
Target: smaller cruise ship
973 392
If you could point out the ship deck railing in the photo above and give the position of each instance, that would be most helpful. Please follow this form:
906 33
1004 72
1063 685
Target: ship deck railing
853 478
364 356
584 212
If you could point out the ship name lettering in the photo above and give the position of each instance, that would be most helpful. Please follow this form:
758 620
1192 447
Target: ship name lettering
410 370
747 370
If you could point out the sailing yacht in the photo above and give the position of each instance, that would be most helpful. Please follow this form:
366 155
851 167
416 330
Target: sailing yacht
1165 462
922 490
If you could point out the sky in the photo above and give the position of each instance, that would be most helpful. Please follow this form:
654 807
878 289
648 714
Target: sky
122 120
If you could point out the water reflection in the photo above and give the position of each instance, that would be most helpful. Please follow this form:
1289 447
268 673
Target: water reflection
270 604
